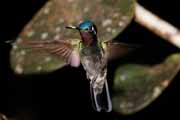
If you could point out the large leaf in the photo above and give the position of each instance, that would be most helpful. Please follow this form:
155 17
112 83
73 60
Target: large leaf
137 85
110 16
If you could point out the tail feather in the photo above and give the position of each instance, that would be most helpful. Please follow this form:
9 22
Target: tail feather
101 100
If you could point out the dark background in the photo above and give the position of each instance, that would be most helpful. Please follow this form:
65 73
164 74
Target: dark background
67 90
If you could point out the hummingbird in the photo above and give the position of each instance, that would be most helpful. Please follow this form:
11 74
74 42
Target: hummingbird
94 61
44 45
89 51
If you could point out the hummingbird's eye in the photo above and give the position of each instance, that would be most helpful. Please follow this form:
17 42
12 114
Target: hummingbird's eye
88 29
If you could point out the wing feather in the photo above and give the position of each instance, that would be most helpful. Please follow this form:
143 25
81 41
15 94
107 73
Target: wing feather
59 48
116 50
39 56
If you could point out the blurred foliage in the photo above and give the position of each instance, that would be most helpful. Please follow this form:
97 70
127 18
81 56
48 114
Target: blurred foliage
137 85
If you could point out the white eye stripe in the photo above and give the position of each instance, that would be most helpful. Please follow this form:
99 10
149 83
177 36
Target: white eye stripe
92 28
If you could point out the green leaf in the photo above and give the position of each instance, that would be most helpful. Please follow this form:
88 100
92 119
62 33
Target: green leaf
136 86
110 16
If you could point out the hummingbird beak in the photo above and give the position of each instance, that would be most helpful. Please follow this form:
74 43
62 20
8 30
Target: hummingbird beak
72 27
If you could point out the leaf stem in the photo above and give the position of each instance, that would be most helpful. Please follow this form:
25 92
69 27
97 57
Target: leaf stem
157 25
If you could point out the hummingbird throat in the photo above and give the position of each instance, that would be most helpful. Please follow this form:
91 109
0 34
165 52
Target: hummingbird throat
88 39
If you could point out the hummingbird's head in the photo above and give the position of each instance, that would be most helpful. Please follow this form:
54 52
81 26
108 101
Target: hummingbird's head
88 32
86 26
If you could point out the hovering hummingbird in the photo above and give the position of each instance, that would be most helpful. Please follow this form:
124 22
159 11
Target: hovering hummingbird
44 45
94 60
39 56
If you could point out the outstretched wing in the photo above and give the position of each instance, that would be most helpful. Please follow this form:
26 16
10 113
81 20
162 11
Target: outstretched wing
115 50
30 56
62 50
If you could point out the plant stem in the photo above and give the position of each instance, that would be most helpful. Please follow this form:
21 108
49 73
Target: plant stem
157 25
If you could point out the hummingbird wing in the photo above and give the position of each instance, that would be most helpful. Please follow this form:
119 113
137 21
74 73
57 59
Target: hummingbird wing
33 56
57 48
115 50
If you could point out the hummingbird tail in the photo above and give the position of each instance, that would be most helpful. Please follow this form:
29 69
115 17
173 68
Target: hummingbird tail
101 100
